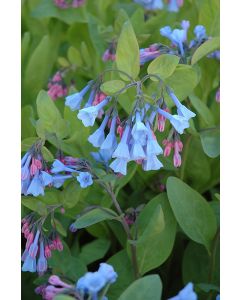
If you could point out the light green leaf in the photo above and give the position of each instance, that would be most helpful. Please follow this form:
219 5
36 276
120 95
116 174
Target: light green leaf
94 216
193 213
210 139
127 55
74 56
205 49
146 288
183 80
202 110
163 66
113 86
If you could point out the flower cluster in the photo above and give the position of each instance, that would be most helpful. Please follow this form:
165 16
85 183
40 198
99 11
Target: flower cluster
63 4
38 244
57 87
34 174
173 142
66 167
54 287
187 293
92 286
92 283
172 6
137 140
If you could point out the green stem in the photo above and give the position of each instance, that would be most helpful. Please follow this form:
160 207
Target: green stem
127 230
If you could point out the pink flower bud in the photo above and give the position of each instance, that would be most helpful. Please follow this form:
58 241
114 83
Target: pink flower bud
55 280
168 147
47 251
29 240
59 244
57 77
177 161
178 146
120 130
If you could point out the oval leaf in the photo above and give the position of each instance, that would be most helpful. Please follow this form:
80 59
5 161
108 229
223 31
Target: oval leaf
146 288
163 66
193 213
113 86
202 109
127 54
205 49
94 216
210 139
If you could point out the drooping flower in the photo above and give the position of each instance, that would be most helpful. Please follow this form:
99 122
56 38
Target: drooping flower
139 130
178 122
187 293
42 261
74 101
151 163
58 167
122 150
85 179
110 142
88 115
107 272
152 147
119 165
98 137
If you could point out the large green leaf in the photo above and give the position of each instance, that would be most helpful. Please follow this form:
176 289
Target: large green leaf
94 216
210 139
164 238
49 116
127 55
39 66
146 288
193 213
122 265
209 16
206 48
163 66
27 128
183 80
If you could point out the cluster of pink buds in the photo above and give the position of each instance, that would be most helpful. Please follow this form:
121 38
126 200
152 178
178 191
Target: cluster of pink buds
147 54
38 244
56 286
63 4
175 144
162 120
57 87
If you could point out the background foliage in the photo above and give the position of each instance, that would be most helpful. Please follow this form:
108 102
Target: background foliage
186 247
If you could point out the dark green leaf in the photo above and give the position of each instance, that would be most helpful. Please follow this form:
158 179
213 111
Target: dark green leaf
210 139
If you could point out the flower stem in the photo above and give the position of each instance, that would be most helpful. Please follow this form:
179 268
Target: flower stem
127 230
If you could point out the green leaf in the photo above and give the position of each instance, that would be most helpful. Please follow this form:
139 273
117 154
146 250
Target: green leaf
146 288
112 86
197 264
94 216
183 80
59 227
94 251
49 115
73 194
163 66
202 110
127 54
164 240
210 139
27 128
209 16
122 265
74 57
39 66
193 213
34 204
205 49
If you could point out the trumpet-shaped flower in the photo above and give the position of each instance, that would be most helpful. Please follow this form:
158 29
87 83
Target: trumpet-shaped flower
29 264
200 32
178 122
110 142
122 150
152 148
88 114
36 186
137 152
74 101
152 163
98 137
119 165
42 262
139 130
85 179
58 167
